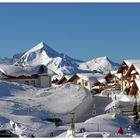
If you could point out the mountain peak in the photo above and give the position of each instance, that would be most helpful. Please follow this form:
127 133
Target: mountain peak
38 47
61 63
103 58
101 64
41 45
39 54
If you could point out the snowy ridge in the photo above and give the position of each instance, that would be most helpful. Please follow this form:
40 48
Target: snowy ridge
100 64
43 54
37 55
58 62
59 100
61 63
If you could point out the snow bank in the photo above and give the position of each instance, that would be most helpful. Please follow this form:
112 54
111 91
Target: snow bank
126 98
108 122
62 100
109 92
125 102
29 106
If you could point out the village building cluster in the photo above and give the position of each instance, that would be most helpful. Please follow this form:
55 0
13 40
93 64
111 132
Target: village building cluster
126 78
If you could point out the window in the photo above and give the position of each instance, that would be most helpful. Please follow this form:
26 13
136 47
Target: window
26 82
79 83
32 82
86 83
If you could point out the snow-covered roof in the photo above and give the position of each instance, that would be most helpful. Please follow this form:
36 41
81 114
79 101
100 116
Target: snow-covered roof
137 80
133 72
92 77
14 70
131 61
2 71
102 80
119 75
137 67
96 87
68 76
58 77
113 72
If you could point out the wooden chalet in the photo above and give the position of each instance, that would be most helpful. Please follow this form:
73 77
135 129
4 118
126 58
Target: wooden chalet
88 80
101 85
113 80
63 80
130 76
123 69
109 76
74 79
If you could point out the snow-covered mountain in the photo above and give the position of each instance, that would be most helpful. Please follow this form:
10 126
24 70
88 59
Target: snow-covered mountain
59 62
101 64
43 54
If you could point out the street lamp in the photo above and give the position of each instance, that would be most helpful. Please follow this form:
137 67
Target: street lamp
72 115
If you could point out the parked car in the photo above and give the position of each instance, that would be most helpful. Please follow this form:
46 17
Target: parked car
57 121
95 91
7 133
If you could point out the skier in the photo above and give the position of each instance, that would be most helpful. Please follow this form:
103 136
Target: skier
120 131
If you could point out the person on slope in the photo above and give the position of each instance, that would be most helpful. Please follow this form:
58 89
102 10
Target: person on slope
120 131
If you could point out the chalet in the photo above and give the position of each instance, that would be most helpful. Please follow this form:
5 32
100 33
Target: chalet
125 66
56 78
109 76
64 79
101 83
86 80
132 73
38 76
113 80
123 69
74 79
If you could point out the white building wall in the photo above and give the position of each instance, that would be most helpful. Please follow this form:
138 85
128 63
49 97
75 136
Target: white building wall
80 82
44 81
84 83
34 82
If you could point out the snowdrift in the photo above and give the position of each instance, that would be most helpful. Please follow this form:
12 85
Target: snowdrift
108 122
29 106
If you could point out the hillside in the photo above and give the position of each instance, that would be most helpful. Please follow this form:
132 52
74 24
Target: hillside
29 106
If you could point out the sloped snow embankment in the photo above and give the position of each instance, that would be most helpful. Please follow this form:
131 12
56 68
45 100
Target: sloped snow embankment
110 123
123 101
64 99
27 105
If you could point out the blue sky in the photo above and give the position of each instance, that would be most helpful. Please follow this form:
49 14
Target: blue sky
81 30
